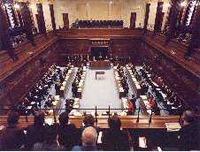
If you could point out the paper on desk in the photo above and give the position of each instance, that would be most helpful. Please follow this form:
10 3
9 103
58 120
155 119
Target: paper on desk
99 141
174 126
142 142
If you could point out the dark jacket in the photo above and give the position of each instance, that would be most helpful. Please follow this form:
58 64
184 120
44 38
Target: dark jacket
115 140
12 138
84 148
34 135
190 137
68 136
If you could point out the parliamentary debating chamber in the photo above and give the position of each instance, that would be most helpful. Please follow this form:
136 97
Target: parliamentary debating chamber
106 75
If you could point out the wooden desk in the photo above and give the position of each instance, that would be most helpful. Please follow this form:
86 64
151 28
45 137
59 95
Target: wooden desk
100 64
135 85
158 122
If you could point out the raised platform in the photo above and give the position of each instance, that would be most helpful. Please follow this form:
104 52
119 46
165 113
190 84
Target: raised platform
100 64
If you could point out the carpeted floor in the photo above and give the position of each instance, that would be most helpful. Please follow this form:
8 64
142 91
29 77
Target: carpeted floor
101 92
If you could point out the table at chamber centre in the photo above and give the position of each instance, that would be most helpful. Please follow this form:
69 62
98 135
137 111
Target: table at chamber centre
99 73
104 64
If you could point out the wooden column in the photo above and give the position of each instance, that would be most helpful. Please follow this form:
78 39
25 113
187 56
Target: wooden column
4 35
5 44
159 18
146 17
66 21
195 39
172 19
41 22
53 23
133 20
28 24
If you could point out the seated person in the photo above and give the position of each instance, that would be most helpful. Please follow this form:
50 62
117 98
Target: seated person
36 132
50 142
190 132
89 139
115 139
67 133
88 121
131 108
151 103
12 137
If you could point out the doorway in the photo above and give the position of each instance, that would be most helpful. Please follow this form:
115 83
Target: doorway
100 53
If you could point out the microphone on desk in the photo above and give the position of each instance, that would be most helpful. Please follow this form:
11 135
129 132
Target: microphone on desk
150 117
180 118
138 116
96 114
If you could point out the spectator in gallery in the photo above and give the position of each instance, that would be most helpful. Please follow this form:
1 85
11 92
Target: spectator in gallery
12 137
50 141
36 132
131 108
67 133
89 139
138 104
190 132
115 139
88 120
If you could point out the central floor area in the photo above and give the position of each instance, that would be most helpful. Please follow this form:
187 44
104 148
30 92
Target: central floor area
100 92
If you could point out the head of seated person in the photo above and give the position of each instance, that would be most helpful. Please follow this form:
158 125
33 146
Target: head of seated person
88 120
188 117
89 139
114 122
39 118
64 118
89 136
13 119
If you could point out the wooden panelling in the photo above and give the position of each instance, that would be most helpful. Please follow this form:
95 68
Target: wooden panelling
125 47
22 77
184 83
100 33
158 122
74 46
168 61
130 121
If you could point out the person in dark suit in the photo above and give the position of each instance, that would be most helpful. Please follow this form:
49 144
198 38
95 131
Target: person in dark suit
12 137
50 143
36 132
88 121
115 139
67 133
57 88
190 132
